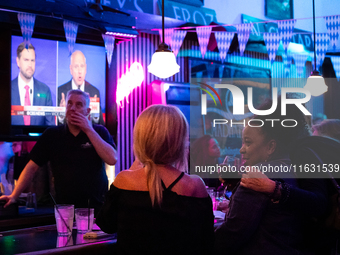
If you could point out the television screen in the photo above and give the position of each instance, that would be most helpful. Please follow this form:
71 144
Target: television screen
187 99
42 77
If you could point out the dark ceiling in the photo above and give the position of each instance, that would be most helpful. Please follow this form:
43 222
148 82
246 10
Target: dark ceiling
94 19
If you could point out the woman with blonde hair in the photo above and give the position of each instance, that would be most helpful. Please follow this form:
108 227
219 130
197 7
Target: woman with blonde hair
158 209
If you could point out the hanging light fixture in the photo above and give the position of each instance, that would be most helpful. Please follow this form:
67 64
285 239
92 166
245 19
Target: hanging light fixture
315 83
163 63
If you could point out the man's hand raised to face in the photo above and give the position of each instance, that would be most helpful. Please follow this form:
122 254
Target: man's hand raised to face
81 121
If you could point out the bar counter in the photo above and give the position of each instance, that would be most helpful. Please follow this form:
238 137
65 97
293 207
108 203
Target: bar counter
28 217
40 238
45 240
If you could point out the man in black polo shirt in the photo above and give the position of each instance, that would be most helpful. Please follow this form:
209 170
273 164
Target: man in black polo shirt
77 152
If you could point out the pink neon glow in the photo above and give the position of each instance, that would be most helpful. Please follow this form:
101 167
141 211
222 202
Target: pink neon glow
132 79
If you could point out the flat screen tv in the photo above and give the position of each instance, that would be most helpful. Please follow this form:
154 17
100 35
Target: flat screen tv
52 79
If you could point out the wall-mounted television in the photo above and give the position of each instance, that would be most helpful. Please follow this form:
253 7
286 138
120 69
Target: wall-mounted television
53 75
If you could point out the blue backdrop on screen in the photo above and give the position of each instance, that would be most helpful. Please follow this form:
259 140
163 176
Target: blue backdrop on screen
95 61
53 64
45 62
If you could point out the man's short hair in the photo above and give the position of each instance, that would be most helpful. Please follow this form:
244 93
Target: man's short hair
22 46
80 93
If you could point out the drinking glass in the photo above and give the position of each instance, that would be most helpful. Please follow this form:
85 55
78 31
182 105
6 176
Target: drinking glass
84 219
64 215
212 194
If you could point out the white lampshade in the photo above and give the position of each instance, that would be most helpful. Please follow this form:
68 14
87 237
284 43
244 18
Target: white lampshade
163 64
316 84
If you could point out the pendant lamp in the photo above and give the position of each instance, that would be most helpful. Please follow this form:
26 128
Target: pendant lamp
315 83
163 63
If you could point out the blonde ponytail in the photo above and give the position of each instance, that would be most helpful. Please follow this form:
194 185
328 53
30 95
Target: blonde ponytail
154 183
159 138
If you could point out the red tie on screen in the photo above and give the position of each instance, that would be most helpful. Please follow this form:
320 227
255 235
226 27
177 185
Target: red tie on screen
27 119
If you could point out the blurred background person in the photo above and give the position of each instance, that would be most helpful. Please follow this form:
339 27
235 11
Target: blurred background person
318 118
328 128
28 91
5 155
158 209
204 152
16 148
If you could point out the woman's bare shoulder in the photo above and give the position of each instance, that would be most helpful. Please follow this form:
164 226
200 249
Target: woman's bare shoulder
121 178
196 186
130 179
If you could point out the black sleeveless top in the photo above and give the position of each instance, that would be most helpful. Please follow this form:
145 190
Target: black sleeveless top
181 225
172 184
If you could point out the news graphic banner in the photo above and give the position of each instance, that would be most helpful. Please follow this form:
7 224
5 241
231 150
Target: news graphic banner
225 107
50 110
37 110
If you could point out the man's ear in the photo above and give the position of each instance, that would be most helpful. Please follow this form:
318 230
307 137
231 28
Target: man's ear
17 61
271 146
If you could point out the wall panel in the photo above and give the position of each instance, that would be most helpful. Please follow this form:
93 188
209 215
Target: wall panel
141 50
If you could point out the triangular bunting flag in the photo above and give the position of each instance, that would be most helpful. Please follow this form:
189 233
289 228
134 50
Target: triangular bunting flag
26 21
177 40
243 32
272 41
71 30
333 27
109 42
168 33
336 65
285 30
203 35
300 61
223 40
321 46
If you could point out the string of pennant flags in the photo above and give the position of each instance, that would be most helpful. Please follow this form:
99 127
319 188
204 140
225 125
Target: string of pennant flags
175 38
27 21
272 41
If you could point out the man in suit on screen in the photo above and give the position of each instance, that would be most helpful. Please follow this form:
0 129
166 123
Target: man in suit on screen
78 69
28 91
